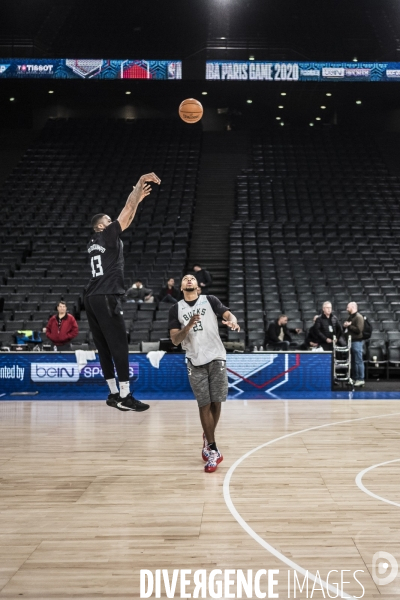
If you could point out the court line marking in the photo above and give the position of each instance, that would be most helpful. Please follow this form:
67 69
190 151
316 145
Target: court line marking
252 533
362 487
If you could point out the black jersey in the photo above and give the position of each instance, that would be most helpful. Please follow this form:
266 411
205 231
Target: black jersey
106 261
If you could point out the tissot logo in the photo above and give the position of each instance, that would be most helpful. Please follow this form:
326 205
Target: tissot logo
36 69
49 372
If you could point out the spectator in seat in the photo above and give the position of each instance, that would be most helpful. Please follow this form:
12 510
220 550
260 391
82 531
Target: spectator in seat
278 334
62 328
169 293
312 340
139 293
327 327
354 327
203 277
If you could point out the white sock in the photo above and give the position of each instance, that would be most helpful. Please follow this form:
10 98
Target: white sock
124 389
112 384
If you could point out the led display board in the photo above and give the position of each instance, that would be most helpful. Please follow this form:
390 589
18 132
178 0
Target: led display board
82 68
301 71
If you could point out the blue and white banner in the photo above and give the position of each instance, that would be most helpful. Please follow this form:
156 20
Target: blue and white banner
52 376
88 68
301 71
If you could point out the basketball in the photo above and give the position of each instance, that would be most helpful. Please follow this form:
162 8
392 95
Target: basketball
190 110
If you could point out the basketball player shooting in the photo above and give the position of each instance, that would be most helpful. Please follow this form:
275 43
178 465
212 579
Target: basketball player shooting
103 297
193 323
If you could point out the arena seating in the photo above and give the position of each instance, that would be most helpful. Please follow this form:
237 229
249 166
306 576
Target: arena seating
78 168
317 219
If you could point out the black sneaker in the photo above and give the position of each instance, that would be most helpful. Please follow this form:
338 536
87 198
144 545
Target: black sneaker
112 401
130 403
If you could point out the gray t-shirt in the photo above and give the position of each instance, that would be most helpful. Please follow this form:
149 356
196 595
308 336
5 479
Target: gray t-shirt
203 343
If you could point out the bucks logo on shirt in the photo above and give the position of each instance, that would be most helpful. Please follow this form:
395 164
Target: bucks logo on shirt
202 343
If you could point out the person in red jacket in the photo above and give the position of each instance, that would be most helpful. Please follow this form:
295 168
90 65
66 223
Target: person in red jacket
62 328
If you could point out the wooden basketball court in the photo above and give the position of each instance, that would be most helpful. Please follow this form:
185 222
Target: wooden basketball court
89 496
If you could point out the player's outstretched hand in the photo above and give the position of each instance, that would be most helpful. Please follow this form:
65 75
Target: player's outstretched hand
143 189
232 325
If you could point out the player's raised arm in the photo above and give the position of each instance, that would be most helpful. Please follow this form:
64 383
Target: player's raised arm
140 191
178 335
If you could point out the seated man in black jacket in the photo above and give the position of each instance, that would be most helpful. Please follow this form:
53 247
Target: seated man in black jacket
169 293
278 334
327 327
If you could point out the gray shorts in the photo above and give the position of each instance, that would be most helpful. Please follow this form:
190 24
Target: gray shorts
209 382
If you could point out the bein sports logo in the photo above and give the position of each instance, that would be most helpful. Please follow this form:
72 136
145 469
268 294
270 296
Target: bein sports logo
94 371
54 372
3 68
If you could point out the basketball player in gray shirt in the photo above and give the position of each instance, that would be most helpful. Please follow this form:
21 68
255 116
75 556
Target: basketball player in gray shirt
193 323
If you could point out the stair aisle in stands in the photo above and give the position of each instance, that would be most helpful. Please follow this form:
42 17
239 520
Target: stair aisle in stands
224 155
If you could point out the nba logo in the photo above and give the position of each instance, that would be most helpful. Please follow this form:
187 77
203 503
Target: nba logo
175 70
171 70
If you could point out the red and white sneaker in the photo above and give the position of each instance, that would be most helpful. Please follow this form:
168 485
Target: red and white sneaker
214 459
205 453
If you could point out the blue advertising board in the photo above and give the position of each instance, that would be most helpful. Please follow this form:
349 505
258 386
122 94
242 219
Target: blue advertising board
83 68
57 376
301 71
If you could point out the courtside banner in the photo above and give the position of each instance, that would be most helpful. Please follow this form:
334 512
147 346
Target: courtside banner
52 376
301 71
88 68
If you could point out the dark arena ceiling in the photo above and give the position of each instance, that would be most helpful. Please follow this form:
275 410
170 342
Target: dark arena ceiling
282 29
197 30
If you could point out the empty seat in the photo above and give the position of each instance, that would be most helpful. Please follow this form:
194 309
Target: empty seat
393 353
390 325
6 338
376 351
81 338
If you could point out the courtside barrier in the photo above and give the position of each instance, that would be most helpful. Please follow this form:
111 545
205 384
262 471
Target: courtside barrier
261 375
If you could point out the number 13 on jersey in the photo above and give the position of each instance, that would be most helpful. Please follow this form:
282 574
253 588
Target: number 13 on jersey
96 265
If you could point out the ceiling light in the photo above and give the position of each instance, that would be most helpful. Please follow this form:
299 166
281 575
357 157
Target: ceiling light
278 118
12 99
222 38
249 101
323 107
358 101
317 118
251 58
281 123
204 93
51 91
311 124
281 106
283 93
127 93
355 59
328 94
